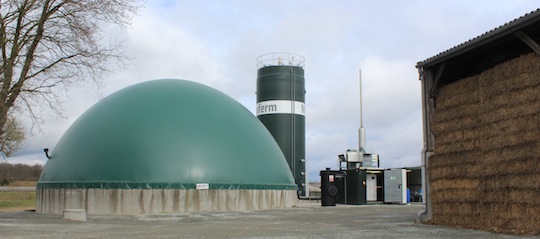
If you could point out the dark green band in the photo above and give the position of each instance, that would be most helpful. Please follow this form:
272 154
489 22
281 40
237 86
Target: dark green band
138 185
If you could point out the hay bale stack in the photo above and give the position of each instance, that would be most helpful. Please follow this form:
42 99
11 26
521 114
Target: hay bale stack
485 171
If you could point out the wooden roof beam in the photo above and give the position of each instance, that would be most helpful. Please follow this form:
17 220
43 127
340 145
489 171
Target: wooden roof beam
529 41
437 77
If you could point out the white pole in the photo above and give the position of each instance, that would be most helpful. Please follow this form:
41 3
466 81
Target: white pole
361 130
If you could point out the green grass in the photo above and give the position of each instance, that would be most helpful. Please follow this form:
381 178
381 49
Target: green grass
17 200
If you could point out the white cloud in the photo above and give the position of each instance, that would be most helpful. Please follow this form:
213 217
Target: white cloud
29 159
161 50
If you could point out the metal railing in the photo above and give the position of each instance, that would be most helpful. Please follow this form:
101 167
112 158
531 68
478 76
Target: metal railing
280 59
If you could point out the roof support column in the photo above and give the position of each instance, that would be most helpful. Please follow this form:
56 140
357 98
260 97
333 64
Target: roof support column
427 84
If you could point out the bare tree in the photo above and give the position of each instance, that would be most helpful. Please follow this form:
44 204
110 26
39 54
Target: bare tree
19 172
48 45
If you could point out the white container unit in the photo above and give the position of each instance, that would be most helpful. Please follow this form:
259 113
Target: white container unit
395 186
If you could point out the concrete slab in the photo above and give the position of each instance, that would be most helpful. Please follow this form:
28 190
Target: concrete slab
307 220
75 214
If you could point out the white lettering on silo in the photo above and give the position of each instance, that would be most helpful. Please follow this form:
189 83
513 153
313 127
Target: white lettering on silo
280 107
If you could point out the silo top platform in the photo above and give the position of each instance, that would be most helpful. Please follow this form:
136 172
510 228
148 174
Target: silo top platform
280 59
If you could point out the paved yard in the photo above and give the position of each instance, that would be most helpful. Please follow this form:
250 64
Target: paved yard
307 220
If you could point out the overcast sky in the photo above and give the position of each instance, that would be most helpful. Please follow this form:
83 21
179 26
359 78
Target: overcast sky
217 43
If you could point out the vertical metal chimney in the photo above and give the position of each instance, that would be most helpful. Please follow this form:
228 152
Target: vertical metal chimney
361 130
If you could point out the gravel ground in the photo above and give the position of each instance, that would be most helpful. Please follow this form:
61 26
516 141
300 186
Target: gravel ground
307 220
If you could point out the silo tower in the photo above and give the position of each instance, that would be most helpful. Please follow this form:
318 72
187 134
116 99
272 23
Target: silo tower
281 108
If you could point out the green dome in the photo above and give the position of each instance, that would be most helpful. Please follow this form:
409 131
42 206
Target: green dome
167 134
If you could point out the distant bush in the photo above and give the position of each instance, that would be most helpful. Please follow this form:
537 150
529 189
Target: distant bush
4 182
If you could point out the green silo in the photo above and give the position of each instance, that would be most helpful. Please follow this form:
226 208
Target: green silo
281 108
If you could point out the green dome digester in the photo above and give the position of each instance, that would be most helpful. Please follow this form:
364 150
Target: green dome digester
167 134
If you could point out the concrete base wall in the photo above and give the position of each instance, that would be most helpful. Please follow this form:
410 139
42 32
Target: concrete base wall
153 201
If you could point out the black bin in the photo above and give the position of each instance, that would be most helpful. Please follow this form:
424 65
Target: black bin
329 191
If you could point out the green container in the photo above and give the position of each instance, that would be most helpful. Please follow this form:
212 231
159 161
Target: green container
281 108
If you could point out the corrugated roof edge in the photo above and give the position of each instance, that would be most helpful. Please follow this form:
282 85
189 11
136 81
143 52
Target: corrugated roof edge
491 35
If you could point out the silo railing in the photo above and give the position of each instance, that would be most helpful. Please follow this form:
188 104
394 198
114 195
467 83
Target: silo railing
279 59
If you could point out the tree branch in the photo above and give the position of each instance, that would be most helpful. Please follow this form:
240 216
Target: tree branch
50 44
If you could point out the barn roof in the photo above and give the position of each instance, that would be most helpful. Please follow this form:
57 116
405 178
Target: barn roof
501 44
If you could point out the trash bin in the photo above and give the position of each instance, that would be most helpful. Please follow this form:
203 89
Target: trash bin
329 191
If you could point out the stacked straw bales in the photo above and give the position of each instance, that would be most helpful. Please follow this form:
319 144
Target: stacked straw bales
485 171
